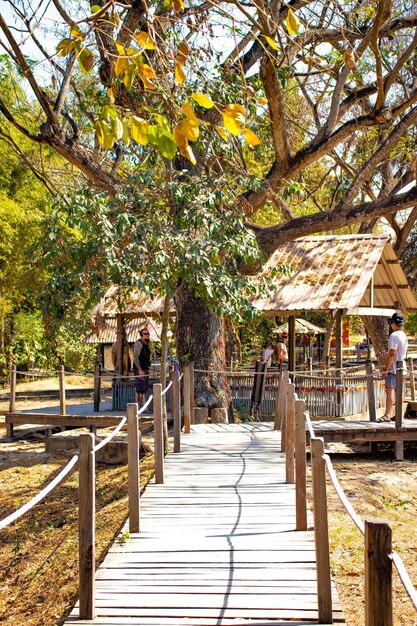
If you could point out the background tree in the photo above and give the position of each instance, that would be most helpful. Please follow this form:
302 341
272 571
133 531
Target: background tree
329 88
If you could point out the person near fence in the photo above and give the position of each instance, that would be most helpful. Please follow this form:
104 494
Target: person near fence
142 356
397 350
267 353
280 354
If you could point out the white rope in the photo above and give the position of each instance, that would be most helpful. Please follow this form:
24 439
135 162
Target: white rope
147 403
26 507
342 497
166 389
404 577
37 374
110 437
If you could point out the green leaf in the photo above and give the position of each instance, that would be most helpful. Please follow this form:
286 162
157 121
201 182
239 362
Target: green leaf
95 8
163 140
65 47
85 58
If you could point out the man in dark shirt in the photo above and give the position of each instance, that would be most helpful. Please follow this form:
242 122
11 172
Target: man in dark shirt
142 356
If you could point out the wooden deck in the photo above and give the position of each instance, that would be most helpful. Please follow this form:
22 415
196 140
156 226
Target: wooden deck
217 545
341 431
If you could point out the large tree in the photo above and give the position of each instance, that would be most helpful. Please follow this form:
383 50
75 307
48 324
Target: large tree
304 111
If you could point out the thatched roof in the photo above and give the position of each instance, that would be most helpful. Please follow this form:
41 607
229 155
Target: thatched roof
134 304
301 327
359 274
106 332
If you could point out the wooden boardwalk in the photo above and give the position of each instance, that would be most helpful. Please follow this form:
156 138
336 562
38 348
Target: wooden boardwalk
217 545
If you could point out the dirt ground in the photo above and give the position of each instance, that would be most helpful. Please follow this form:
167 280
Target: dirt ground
39 552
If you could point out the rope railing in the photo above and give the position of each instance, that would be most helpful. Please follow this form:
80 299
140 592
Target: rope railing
342 497
86 499
377 533
41 495
404 577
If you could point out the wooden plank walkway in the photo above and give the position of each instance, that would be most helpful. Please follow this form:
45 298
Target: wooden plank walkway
217 544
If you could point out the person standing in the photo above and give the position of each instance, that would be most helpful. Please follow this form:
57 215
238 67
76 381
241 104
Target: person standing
281 353
397 351
142 357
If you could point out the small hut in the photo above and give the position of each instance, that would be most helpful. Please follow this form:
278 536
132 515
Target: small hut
341 274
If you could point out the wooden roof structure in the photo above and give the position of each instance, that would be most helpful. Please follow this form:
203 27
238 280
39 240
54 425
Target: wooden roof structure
135 304
356 274
106 331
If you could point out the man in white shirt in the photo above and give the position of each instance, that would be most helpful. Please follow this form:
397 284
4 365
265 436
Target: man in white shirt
397 351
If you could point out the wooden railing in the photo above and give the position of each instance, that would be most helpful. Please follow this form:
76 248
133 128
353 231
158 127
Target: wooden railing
379 556
86 459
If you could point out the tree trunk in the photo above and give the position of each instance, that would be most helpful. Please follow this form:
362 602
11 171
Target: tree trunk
328 337
200 338
378 332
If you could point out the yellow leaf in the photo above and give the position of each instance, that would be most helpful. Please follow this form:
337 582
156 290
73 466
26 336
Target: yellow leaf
147 74
262 101
104 134
188 111
234 118
121 65
179 74
178 5
110 95
120 48
251 139
236 111
76 32
271 42
292 22
85 58
202 100
129 76
190 129
222 133
139 130
117 128
183 145
145 41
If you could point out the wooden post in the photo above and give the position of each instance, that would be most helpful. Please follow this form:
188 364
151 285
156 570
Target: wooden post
370 390
283 408
399 391
158 430
12 400
328 362
62 402
290 435
186 392
192 392
339 339
277 407
97 384
412 382
86 527
321 531
378 573
300 466
291 343
176 410
133 467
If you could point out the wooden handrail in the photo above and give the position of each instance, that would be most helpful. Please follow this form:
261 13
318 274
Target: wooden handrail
290 435
300 466
187 398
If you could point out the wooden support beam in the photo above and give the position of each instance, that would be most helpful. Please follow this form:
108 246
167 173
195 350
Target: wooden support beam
291 343
300 466
321 531
176 410
290 436
62 400
86 527
158 433
339 338
133 467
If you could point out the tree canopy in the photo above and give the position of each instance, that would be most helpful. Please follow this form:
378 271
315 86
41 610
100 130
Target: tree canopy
301 116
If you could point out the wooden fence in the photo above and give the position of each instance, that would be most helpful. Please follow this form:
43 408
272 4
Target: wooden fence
379 555
86 460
